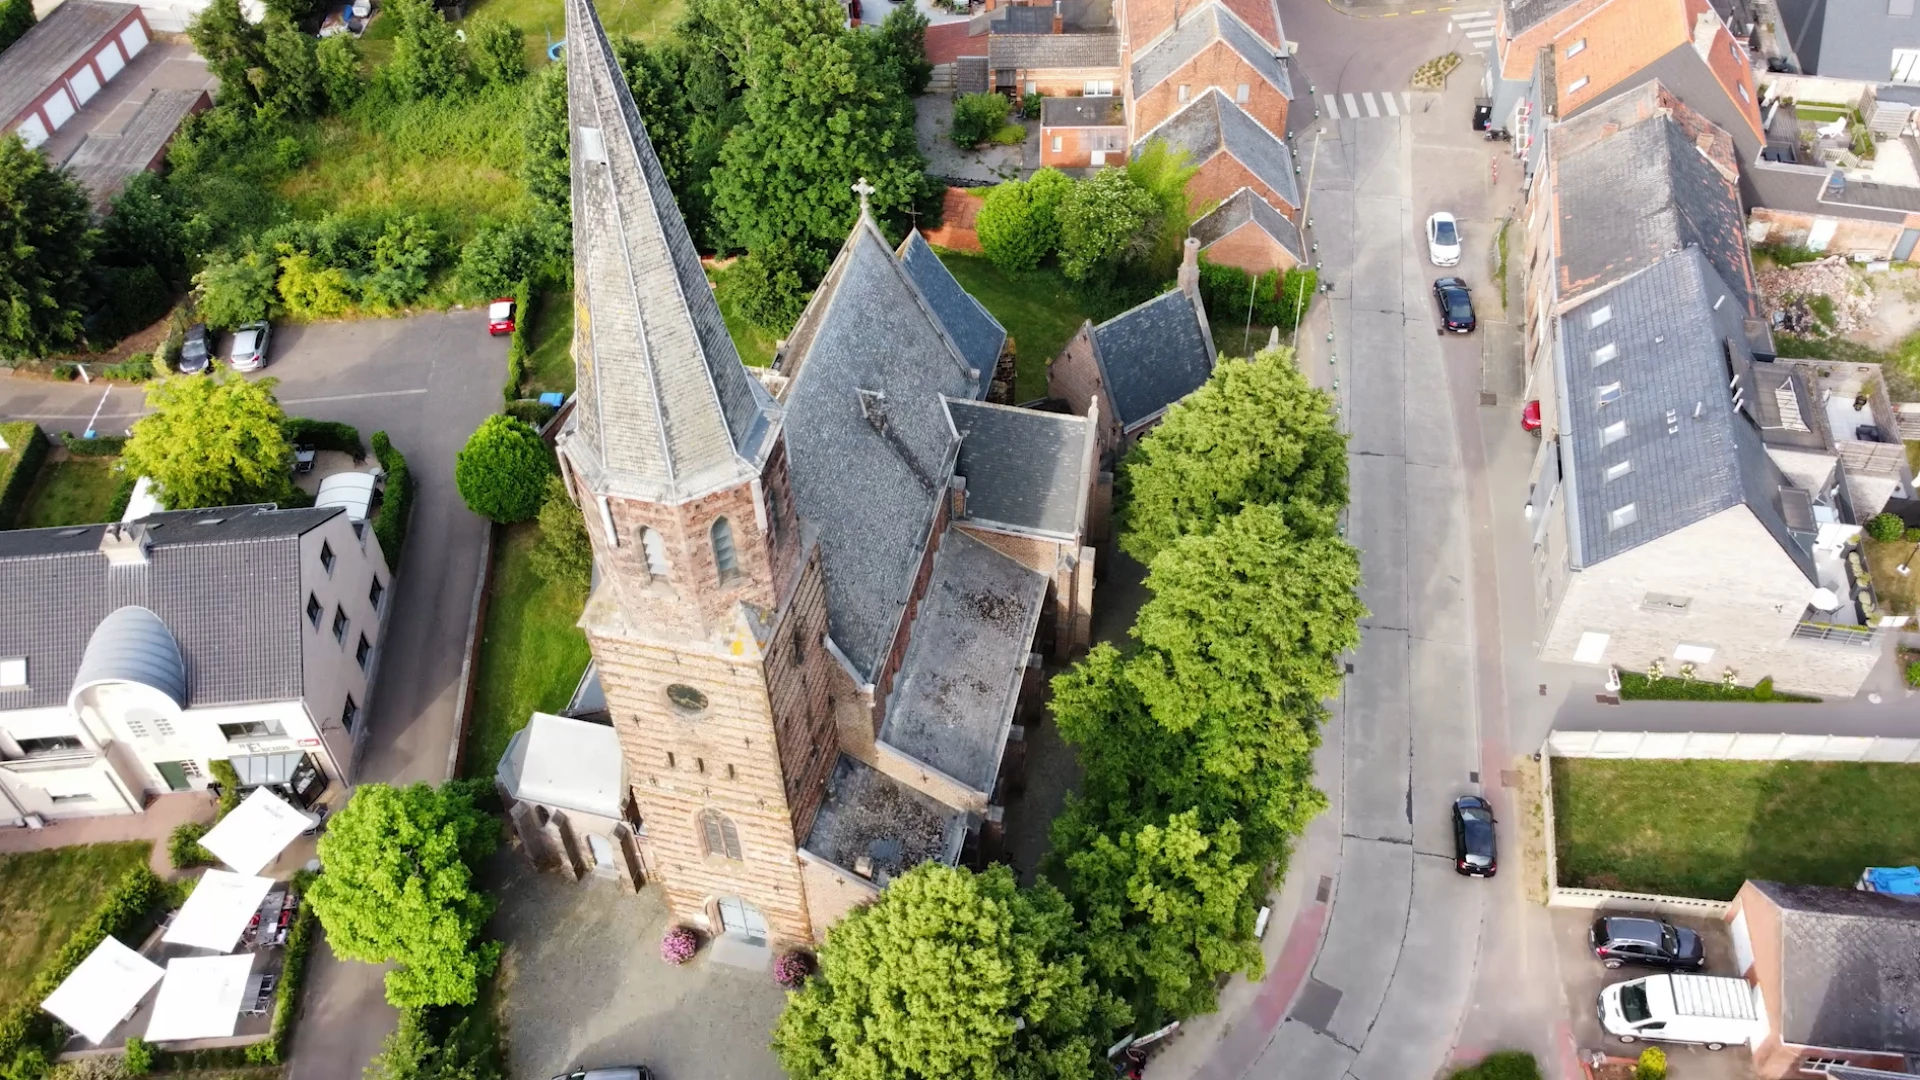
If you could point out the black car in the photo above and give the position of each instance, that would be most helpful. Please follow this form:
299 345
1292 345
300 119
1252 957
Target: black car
1638 939
1473 846
194 352
1456 305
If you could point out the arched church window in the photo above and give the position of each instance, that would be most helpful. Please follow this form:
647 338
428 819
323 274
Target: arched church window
656 551
725 559
718 835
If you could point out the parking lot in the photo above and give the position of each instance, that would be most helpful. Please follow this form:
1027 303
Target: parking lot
1583 977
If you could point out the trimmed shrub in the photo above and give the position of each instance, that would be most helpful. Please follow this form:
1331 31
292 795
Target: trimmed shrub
502 471
98 446
325 435
396 503
976 117
139 1056
183 846
678 945
293 975
229 782
1017 225
1652 1064
1886 527
533 412
517 346
16 478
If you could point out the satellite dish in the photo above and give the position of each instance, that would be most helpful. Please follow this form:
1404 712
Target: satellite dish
1825 600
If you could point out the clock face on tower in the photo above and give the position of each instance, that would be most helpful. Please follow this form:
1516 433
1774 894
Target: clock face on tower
686 699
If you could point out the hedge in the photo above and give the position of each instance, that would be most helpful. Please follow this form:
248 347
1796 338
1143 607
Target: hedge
229 781
390 523
533 412
183 846
132 903
517 344
1278 300
98 446
325 435
29 450
1635 686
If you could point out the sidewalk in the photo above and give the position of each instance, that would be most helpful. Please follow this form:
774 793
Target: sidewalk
164 814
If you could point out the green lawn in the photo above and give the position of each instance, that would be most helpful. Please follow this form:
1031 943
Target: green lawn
77 491
531 654
545 21
1700 828
550 352
45 895
1038 309
1898 594
754 342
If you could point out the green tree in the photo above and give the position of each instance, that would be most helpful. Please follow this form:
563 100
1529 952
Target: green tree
499 51
403 256
954 975
1163 172
545 137
236 290
233 46
1886 527
1255 433
212 440
902 45
398 887
147 227
564 555
1018 222
502 471
16 18
338 59
976 117
1106 222
1169 908
293 85
439 1044
426 55
498 257
771 285
46 241
314 291
689 105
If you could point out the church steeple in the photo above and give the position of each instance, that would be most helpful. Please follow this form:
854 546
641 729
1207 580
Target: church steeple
665 410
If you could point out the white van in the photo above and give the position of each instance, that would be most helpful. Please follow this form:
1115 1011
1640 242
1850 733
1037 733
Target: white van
1706 1010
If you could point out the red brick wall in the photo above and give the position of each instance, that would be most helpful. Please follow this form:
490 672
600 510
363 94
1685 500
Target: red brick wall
1220 176
1146 20
1066 82
1854 235
1076 146
1074 377
957 210
1216 65
1251 249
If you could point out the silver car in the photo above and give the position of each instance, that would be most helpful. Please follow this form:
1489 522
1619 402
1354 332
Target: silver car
617 1072
249 351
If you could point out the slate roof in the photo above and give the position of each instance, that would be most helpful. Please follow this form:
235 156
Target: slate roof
228 590
1847 39
665 409
1850 967
869 444
1014 19
1212 124
1522 14
44 53
105 161
1198 29
1152 356
1846 192
1239 209
1024 468
868 813
1676 334
978 334
953 698
1027 52
1634 187
1102 110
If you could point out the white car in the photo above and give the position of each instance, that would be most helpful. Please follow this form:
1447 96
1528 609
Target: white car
1443 240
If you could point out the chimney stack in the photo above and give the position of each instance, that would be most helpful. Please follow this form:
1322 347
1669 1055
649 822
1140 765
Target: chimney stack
124 545
1190 268
1059 23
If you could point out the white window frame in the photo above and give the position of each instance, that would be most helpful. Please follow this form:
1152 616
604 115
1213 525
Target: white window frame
1576 48
1579 84
13 671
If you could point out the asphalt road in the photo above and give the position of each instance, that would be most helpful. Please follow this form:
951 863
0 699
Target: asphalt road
427 380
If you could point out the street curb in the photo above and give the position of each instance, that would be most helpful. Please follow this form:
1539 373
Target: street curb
463 690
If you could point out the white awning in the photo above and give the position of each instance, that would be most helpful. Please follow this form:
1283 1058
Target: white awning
219 909
352 490
257 831
103 990
200 998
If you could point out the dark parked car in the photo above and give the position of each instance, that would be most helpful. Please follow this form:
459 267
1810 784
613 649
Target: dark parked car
195 352
1456 305
1473 847
1638 939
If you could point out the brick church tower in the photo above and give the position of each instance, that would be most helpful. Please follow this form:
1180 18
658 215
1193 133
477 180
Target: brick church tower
705 620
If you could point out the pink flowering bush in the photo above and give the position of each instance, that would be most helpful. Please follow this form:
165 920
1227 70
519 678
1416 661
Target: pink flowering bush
792 969
678 945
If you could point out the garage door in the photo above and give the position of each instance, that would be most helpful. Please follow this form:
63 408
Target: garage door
59 109
133 39
32 131
85 84
109 62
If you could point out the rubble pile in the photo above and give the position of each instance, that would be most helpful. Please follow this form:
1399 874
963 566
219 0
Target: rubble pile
1784 290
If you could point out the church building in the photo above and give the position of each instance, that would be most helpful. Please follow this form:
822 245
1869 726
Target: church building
823 590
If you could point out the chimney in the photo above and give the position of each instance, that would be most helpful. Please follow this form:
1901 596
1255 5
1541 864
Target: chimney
863 865
957 497
124 545
1190 268
1059 23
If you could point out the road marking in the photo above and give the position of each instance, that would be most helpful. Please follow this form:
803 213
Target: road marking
1418 11
1373 110
1353 107
349 397
1386 98
1406 98
1329 106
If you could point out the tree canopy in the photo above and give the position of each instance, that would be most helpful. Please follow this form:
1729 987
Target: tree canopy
212 440
46 240
1106 221
1018 223
398 887
426 57
502 471
955 975
1255 433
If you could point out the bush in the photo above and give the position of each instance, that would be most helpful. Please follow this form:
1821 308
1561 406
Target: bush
770 285
792 969
293 975
517 348
1018 224
98 446
235 291
1010 135
66 372
229 782
502 471
396 502
1278 300
678 945
1505 1065
1652 1064
1886 528
136 368
1786 254
533 412
1635 686
29 450
1913 673
325 435
312 290
1031 104
564 555
131 298
498 260
139 1056
498 49
976 117
338 58
183 847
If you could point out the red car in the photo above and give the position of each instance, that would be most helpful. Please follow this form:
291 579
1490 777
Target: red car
1530 418
500 317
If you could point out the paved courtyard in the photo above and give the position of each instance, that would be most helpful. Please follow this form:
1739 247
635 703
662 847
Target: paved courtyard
584 985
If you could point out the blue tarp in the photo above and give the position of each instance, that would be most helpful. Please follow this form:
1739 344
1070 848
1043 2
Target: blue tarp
1897 880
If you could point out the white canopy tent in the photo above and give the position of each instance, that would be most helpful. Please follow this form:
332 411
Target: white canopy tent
219 909
106 987
257 831
200 998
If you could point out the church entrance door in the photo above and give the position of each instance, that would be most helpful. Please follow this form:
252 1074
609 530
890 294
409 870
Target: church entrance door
742 920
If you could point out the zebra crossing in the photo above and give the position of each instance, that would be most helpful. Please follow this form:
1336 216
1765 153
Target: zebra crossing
1477 25
1369 105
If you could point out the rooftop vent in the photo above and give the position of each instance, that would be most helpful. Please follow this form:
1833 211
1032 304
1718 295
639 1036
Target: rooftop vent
125 545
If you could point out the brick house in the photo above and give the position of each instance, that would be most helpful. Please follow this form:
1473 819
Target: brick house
1245 231
1690 504
1054 64
1231 151
1839 973
1083 132
821 589
1208 47
60 64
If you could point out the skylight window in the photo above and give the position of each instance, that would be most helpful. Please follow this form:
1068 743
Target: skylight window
1615 472
1622 517
1613 433
593 145
1605 353
1608 394
13 671
1601 317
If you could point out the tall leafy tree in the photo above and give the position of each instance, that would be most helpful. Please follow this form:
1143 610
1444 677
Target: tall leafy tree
293 85
1255 433
16 18
235 290
398 887
426 56
232 46
689 105
45 243
547 140
902 48
212 440
1163 172
954 975
499 51
1018 223
338 59
1107 222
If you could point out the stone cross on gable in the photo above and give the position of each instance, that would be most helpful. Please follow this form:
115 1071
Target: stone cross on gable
863 189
